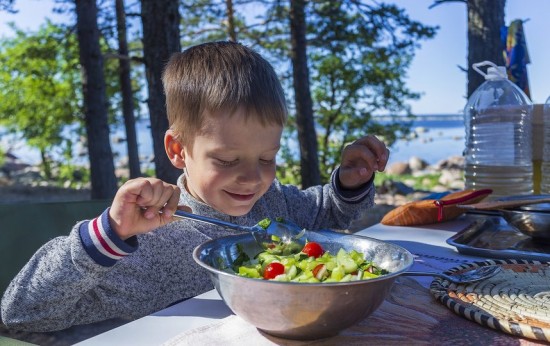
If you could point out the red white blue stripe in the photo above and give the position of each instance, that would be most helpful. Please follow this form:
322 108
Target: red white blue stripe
102 243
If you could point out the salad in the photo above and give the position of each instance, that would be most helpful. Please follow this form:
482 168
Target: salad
310 264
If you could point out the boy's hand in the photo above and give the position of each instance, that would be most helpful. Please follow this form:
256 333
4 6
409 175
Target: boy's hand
360 159
137 203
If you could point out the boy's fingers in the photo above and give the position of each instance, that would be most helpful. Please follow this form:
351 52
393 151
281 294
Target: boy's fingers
173 194
372 151
383 161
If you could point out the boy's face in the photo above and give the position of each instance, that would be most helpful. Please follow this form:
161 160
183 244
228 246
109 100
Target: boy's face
232 163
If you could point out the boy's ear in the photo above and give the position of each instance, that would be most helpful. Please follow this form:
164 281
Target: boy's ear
174 150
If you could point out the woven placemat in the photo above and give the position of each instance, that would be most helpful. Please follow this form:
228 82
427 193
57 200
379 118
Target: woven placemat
515 301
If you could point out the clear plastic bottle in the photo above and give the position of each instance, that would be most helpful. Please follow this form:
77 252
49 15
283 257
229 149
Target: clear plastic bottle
545 167
498 152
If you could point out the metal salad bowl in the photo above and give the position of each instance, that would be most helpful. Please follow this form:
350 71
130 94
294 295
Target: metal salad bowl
302 311
530 219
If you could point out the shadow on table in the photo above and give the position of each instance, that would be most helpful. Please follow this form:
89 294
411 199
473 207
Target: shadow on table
208 308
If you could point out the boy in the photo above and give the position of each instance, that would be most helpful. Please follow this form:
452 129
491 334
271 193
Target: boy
226 112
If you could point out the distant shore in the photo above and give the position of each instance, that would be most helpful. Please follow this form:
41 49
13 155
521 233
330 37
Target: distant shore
23 183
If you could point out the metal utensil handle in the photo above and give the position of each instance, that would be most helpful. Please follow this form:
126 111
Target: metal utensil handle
503 204
185 215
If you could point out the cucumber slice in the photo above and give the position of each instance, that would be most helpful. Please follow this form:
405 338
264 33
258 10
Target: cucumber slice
344 260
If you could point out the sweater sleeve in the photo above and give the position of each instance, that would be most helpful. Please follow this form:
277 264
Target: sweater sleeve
102 244
55 288
72 280
357 195
326 206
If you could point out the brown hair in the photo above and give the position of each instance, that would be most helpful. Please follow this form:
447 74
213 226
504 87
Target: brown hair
220 75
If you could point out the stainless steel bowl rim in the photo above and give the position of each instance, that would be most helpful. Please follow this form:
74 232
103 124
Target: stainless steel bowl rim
302 310
538 207
332 237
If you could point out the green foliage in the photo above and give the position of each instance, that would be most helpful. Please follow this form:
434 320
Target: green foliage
425 182
2 157
289 174
204 21
39 80
359 55
41 92
76 175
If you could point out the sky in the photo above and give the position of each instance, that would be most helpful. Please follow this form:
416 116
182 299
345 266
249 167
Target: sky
435 71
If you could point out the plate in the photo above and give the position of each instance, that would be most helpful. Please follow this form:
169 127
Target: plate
515 301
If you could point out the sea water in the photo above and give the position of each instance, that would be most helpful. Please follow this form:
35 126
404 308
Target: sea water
437 137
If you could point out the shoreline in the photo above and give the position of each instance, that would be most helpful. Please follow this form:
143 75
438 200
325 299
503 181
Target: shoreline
24 184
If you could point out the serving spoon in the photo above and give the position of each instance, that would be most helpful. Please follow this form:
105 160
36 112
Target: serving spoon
285 232
473 275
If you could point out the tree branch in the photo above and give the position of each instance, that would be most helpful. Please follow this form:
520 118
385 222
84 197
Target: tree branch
439 2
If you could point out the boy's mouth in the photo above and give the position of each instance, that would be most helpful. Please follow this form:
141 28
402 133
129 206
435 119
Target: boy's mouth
241 197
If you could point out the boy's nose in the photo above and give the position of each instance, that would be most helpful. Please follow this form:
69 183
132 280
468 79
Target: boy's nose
250 174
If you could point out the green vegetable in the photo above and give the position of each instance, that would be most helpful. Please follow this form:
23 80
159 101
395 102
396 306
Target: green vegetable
345 266
241 259
264 223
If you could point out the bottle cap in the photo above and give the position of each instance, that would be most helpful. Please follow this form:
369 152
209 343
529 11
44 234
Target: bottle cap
494 72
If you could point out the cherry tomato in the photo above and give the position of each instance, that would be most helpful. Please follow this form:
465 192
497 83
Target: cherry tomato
320 272
313 249
273 269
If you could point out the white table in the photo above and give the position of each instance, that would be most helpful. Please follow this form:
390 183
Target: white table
208 308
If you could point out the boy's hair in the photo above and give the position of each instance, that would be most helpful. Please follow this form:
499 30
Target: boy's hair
220 76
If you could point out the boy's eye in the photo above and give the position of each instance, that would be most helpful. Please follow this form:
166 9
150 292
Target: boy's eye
267 162
226 163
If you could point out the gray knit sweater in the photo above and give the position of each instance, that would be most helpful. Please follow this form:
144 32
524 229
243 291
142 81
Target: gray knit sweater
92 275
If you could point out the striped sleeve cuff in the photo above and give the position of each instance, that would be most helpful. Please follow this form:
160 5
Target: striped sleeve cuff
350 196
102 244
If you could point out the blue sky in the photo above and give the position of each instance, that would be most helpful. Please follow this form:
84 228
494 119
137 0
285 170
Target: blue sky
434 71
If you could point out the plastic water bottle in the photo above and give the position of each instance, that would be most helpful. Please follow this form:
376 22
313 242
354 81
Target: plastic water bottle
545 167
498 153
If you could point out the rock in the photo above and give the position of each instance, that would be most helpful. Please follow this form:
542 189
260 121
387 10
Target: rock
439 188
449 176
417 164
27 176
453 162
399 168
394 188
457 185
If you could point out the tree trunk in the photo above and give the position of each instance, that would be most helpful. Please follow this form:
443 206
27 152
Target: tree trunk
102 170
307 136
161 38
485 19
127 94
231 33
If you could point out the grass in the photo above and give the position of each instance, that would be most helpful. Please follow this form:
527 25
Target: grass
425 182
